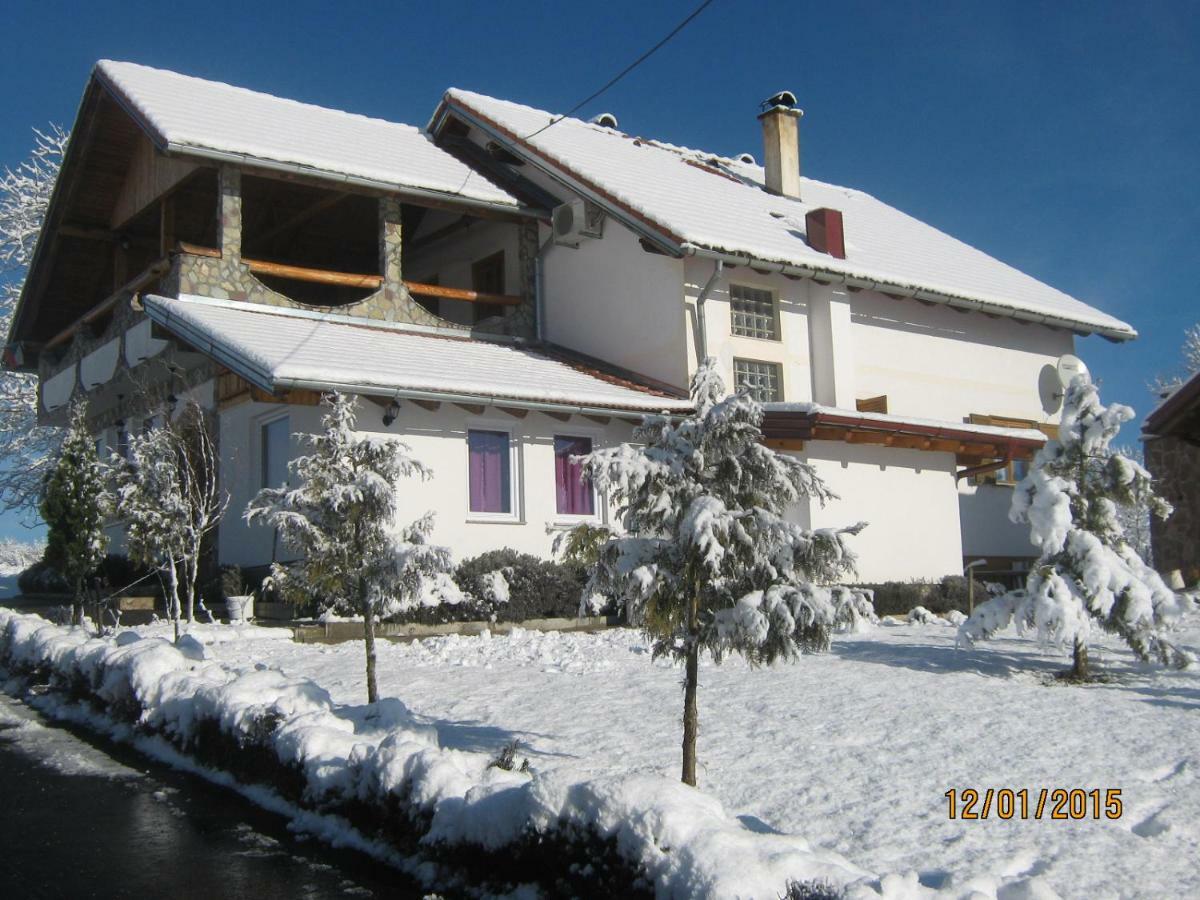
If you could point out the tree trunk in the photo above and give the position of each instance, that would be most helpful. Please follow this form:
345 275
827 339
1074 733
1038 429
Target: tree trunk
369 637
77 603
1081 669
691 715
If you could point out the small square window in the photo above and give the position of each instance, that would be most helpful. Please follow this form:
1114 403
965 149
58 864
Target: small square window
763 380
489 472
573 493
753 312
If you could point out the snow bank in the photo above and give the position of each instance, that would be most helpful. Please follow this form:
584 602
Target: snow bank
680 840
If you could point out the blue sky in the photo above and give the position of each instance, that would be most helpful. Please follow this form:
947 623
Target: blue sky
1059 137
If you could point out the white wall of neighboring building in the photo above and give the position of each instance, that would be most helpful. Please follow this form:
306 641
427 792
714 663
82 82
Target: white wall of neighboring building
908 499
986 528
438 439
611 299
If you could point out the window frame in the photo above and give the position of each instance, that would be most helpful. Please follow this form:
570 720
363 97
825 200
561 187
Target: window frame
778 367
776 336
516 513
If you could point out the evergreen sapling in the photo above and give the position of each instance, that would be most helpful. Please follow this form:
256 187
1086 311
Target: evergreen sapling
708 559
1087 572
341 520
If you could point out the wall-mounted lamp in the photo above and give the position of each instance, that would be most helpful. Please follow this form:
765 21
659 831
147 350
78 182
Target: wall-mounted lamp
389 414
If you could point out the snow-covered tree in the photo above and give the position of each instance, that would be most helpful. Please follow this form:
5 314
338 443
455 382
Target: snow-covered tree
1164 385
341 519
1087 573
27 449
1135 516
169 493
708 559
74 506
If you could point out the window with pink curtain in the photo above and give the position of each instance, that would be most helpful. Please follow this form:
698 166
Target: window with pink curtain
574 495
489 472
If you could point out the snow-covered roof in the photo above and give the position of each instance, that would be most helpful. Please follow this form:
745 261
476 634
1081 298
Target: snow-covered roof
196 117
700 202
1178 413
277 348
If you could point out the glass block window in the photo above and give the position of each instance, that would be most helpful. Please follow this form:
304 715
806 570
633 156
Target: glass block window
764 380
753 312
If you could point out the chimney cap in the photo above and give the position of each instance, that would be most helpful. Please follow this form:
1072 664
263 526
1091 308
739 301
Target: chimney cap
786 99
605 120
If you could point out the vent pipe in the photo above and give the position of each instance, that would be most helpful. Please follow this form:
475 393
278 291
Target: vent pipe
781 144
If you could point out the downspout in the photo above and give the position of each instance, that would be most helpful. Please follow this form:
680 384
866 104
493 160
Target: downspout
701 337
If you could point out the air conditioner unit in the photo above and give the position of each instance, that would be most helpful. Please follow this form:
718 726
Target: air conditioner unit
575 220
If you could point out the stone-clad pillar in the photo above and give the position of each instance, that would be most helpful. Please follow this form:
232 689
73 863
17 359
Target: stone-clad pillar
390 245
230 219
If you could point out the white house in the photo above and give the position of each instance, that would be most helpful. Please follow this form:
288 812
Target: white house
505 292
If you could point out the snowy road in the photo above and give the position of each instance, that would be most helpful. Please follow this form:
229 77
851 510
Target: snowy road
854 749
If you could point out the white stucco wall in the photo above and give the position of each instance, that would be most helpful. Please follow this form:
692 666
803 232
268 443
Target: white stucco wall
937 363
436 438
791 351
611 299
908 499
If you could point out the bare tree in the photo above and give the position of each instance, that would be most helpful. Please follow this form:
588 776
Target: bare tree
26 448
169 493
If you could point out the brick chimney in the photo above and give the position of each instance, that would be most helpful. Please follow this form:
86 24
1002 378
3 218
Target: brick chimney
781 144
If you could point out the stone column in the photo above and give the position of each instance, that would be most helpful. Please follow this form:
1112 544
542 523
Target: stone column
390 246
230 218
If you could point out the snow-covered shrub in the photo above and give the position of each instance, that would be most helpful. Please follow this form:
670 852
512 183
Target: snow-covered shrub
919 615
708 559
340 520
17 556
536 588
1087 572
897 598
42 578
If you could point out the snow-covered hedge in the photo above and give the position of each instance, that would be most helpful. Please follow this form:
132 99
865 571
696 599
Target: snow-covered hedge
383 769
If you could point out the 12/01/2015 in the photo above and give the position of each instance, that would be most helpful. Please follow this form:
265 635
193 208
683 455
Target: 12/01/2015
1055 804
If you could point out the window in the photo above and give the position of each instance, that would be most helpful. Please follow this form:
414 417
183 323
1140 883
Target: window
122 441
489 472
276 450
487 277
753 312
762 379
573 494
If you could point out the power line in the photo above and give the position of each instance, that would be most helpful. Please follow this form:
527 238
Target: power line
629 68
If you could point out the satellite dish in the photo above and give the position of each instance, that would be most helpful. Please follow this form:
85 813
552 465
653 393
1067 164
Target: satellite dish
1069 366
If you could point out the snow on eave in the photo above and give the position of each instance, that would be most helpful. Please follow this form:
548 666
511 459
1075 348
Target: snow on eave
1171 406
667 236
372 174
578 390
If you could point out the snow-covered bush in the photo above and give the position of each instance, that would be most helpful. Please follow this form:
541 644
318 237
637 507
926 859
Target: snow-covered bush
75 505
1087 572
341 521
533 588
919 615
708 559
17 556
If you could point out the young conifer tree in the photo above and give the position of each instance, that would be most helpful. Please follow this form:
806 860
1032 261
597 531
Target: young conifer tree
1087 572
341 520
74 506
707 559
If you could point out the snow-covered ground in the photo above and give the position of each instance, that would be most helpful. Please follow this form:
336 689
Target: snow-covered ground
854 749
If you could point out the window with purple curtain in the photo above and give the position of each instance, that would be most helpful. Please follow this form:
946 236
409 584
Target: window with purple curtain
574 494
489 472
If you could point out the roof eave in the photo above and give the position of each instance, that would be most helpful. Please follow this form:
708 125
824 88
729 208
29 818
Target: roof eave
958 301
